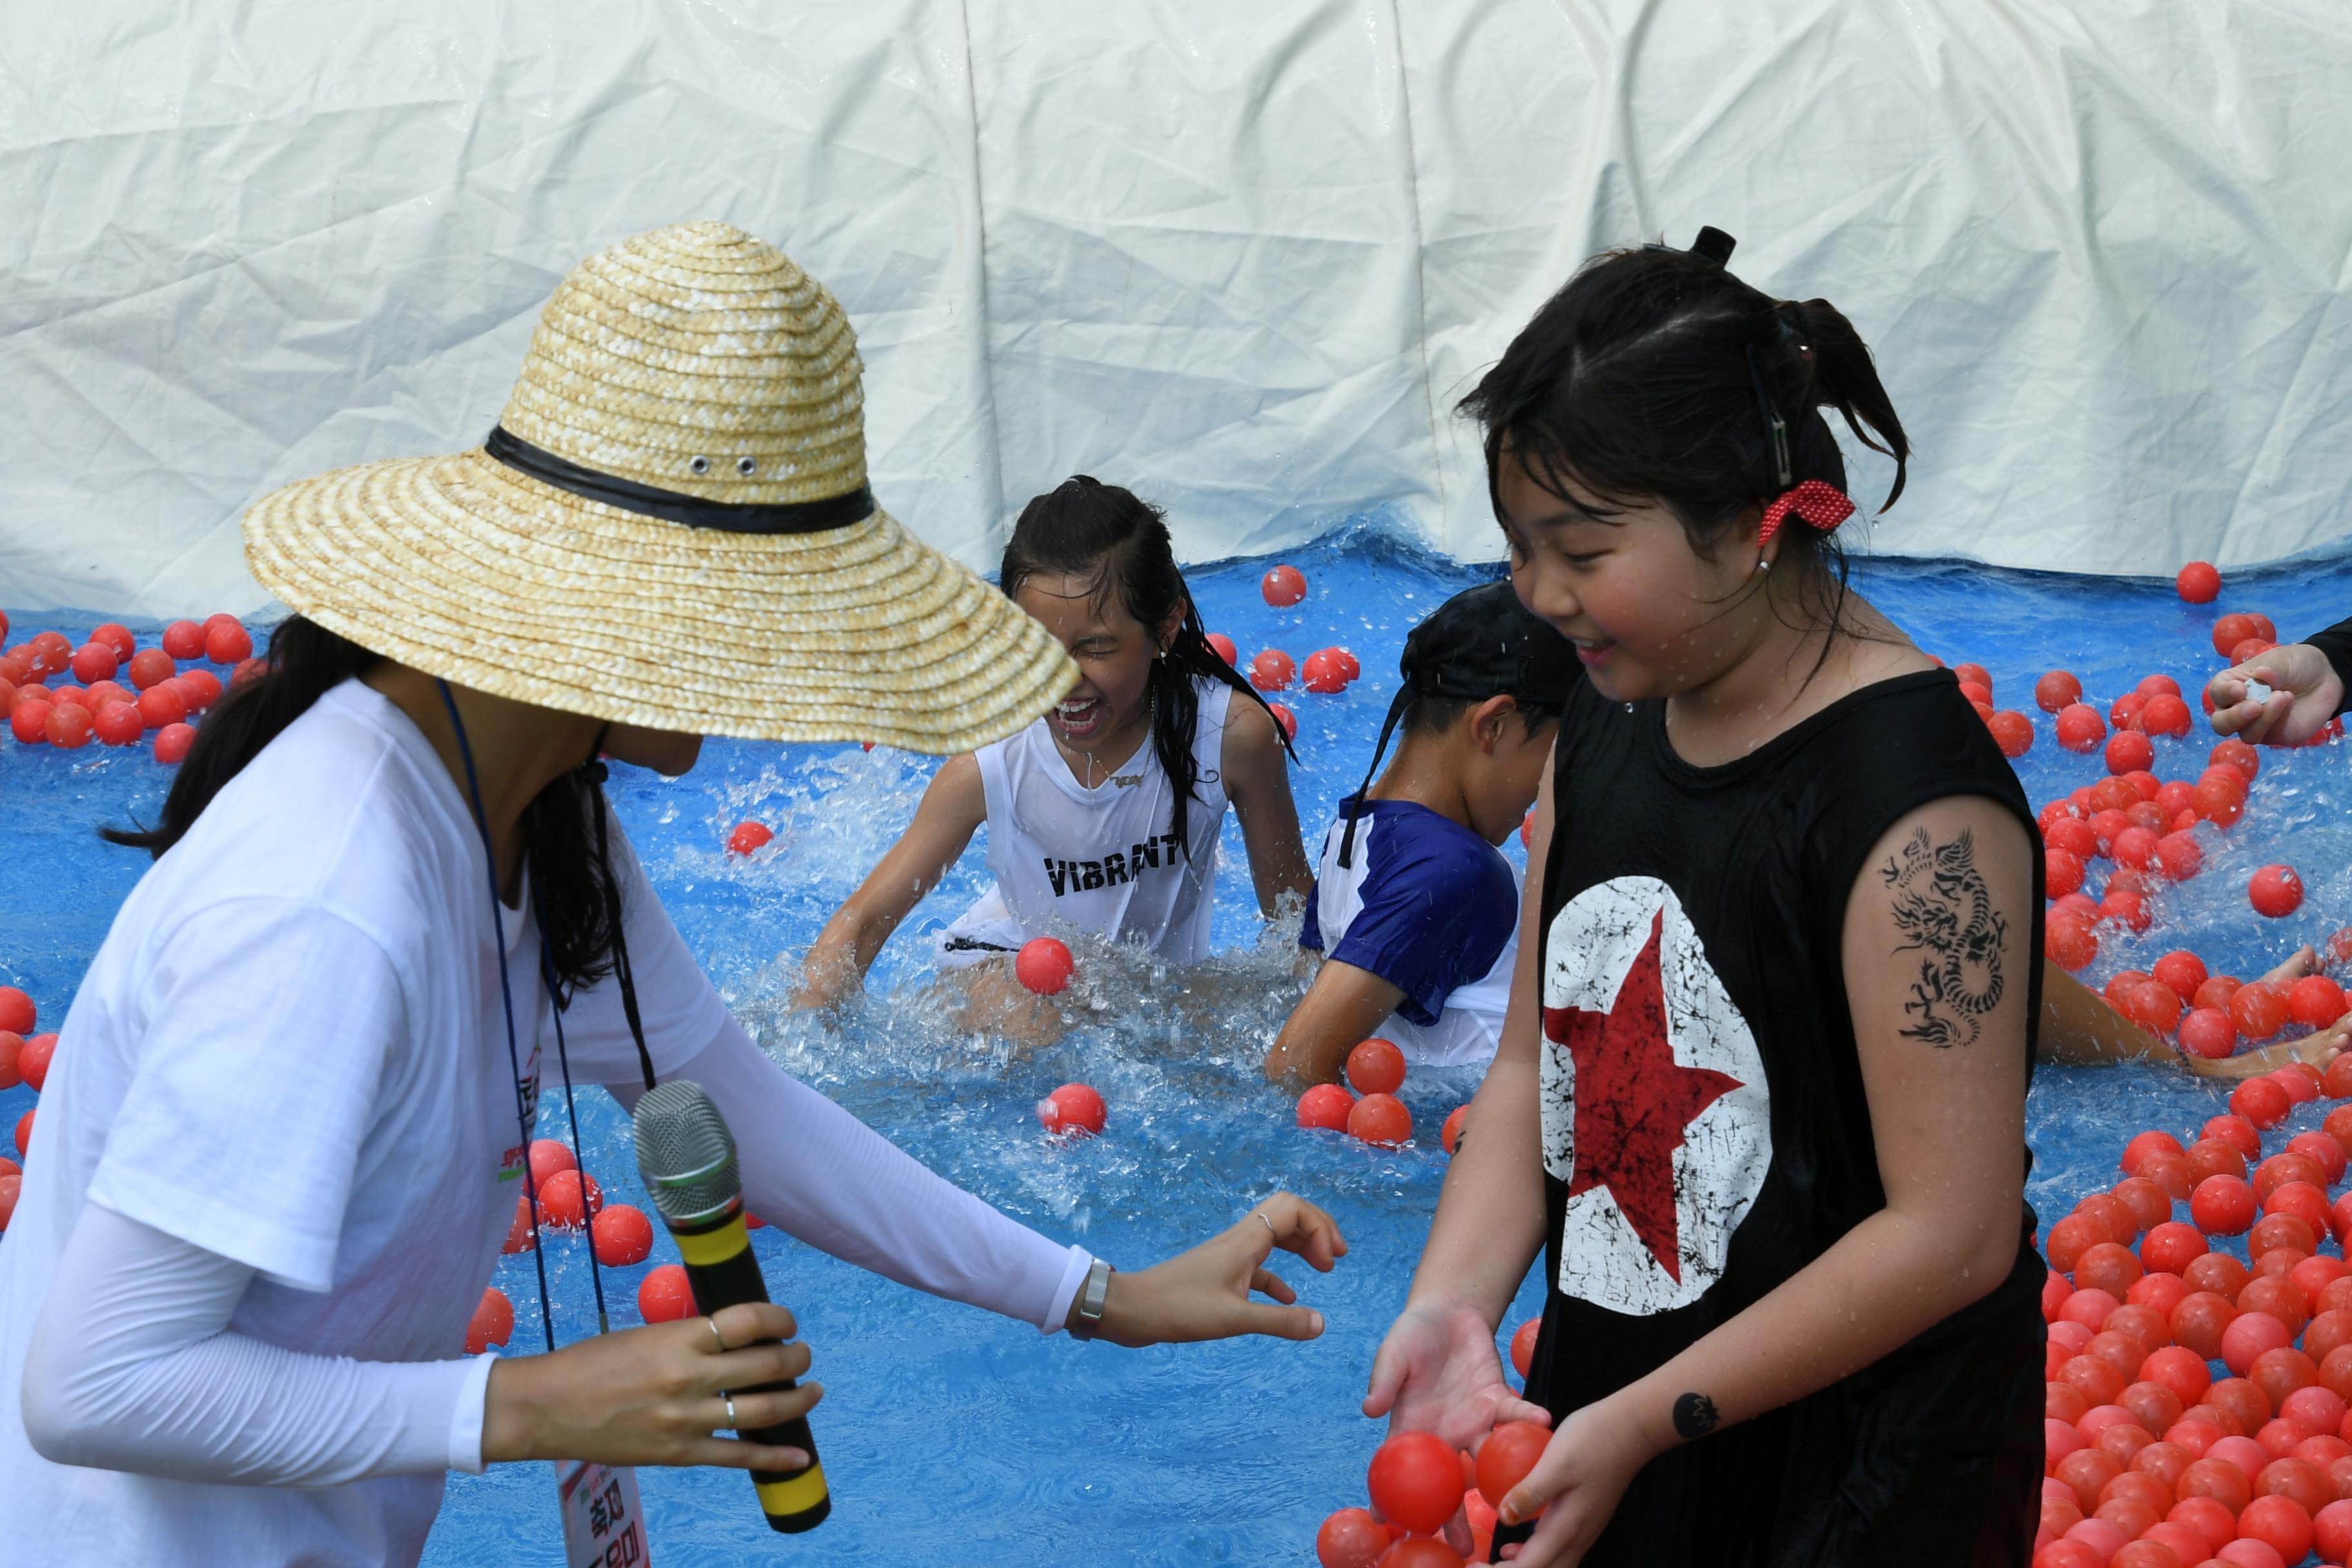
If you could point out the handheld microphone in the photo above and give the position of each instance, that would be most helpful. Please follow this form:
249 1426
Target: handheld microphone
687 1157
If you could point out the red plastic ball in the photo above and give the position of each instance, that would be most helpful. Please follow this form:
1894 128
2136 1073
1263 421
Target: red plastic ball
227 641
1285 717
1523 1345
2061 872
2224 1205
2012 732
18 1014
1421 1551
1224 647
1450 1134
2182 970
1351 1538
24 1134
2199 584
1074 1108
1044 965
622 1236
173 742
519 1232
548 1156
1326 670
2317 1000
69 725
2232 752
119 724
152 667
1284 587
34 1059
1507 1456
1415 1480
184 639
492 1322
1272 670
2280 1524
2249 1335
1326 1106
2128 751
2057 691
562 1203
2261 1102
664 1295
2331 1531
2275 891
2165 715
748 837
2171 1247
2069 942
1381 1119
1376 1066
2080 728
161 704
12 1186
2258 1008
95 661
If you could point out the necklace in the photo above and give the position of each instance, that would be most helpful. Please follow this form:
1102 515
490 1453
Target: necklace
1087 779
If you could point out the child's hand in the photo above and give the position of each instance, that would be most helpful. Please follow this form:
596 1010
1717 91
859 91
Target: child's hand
1577 1484
829 980
2304 693
1438 1372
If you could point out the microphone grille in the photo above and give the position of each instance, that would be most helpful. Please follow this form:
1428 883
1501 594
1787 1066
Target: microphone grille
685 1152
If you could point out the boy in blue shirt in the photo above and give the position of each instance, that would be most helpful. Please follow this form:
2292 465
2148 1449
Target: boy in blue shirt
1413 908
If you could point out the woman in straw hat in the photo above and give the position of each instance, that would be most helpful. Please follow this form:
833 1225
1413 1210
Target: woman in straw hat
291 1114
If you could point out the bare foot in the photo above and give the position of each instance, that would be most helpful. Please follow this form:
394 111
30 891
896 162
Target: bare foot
2304 961
2318 1049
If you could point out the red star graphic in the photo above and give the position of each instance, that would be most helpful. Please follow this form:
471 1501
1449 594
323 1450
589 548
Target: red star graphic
1633 1101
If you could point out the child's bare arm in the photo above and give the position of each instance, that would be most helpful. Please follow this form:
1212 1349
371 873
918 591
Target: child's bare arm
951 810
1257 781
1343 1007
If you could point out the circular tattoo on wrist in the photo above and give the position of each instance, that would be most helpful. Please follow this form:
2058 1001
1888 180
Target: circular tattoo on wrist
1695 1415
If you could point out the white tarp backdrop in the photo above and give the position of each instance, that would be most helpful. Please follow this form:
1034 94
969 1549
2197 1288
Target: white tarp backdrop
1240 257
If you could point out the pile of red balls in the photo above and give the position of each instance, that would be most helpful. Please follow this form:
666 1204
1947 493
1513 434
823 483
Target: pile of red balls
2152 1461
1377 1069
24 1057
56 694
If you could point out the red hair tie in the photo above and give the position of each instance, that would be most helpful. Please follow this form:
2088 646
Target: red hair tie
1817 501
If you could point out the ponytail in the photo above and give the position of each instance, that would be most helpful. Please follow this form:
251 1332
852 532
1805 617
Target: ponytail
1658 374
1083 525
578 904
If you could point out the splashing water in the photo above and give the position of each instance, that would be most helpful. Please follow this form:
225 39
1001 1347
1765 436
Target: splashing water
952 1437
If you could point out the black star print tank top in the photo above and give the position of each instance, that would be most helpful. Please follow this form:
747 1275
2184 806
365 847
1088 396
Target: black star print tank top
1706 1135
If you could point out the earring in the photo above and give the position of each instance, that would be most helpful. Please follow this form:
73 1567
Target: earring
1763 564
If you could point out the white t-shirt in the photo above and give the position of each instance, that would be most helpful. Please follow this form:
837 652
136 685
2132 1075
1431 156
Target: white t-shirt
1104 860
290 1052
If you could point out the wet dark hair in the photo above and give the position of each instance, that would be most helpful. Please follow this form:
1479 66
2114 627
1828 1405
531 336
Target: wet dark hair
1084 526
1658 374
1428 715
574 893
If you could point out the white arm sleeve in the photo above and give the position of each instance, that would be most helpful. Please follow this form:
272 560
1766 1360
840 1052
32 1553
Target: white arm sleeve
131 1367
818 1173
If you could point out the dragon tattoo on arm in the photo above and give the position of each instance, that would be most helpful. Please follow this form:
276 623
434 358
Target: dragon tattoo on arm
1944 912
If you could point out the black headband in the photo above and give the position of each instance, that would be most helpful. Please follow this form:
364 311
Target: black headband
671 506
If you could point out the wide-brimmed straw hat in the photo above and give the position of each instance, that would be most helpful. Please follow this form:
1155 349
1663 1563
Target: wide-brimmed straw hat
670 527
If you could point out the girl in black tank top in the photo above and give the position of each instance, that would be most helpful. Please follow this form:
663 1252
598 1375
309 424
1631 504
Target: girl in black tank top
1760 1098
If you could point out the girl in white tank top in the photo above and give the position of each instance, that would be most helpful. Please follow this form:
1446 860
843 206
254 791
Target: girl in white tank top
1104 816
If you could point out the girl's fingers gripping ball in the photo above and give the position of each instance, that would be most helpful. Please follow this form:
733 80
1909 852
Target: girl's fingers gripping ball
1376 1066
1507 1456
1044 965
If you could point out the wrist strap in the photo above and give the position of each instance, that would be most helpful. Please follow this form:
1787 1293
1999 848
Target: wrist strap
1093 1297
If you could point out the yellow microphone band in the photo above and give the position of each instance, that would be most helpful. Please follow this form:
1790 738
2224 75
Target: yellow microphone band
797 1494
707 1247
